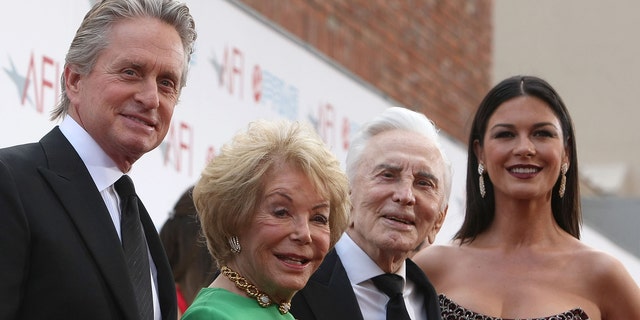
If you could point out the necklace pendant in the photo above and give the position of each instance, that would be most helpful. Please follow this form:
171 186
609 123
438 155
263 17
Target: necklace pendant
252 291
284 307
264 300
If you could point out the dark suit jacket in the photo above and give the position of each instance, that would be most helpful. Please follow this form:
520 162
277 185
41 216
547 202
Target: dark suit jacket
60 256
329 296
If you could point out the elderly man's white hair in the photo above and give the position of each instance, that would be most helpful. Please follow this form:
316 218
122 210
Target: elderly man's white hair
397 118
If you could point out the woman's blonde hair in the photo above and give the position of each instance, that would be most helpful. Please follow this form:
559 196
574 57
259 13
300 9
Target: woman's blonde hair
232 184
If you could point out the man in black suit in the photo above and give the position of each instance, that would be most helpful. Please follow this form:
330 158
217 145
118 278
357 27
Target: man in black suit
400 185
62 253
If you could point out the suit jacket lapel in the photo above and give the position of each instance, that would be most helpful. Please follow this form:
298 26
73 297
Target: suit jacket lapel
329 291
422 283
70 181
166 283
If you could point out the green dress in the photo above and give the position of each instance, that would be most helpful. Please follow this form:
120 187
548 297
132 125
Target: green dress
221 304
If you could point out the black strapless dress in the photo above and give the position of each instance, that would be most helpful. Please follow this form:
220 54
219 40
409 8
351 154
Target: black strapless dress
452 311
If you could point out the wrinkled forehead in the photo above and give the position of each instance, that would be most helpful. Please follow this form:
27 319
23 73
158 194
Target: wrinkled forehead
408 150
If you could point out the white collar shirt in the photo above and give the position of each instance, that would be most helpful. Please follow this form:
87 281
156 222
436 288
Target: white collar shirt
360 269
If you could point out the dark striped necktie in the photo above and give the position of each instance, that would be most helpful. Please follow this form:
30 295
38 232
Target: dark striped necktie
134 246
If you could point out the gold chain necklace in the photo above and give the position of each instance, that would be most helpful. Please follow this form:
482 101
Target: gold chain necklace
252 291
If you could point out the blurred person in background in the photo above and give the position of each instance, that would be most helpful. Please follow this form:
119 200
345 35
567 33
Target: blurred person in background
271 204
75 241
518 253
190 261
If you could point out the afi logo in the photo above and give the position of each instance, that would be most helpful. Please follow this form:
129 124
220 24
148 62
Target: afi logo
42 81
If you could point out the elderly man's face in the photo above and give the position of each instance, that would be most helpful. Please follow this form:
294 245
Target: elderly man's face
397 194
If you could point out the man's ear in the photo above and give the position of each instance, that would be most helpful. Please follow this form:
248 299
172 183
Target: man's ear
71 82
437 225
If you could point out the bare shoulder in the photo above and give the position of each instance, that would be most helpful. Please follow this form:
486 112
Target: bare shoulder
612 287
600 265
434 259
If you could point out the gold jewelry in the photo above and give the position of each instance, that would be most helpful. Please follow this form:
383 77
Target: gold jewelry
483 191
234 243
253 291
563 179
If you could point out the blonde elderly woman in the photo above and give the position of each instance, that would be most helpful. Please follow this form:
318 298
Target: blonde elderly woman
272 204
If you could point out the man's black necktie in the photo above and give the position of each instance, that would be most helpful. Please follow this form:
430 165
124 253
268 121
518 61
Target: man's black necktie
391 285
135 246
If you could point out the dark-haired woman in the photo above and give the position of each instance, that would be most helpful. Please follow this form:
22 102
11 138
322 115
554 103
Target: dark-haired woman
518 253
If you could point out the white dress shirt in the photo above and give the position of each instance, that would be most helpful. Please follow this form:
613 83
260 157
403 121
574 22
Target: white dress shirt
105 173
360 269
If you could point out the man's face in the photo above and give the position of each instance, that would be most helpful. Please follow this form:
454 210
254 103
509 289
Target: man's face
397 194
126 102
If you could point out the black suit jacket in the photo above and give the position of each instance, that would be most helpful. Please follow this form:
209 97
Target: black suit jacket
329 296
60 255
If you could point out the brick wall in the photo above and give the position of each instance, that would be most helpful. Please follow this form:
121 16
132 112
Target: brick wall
433 56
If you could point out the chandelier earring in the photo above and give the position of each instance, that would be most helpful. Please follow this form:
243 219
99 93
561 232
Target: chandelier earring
234 243
483 191
563 179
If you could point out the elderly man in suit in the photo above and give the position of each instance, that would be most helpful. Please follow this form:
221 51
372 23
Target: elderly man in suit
400 185
73 244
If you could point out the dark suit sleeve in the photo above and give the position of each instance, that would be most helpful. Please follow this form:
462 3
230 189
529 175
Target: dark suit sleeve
14 244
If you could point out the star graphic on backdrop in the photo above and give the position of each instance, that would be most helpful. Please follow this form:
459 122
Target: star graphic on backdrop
18 79
217 67
314 121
